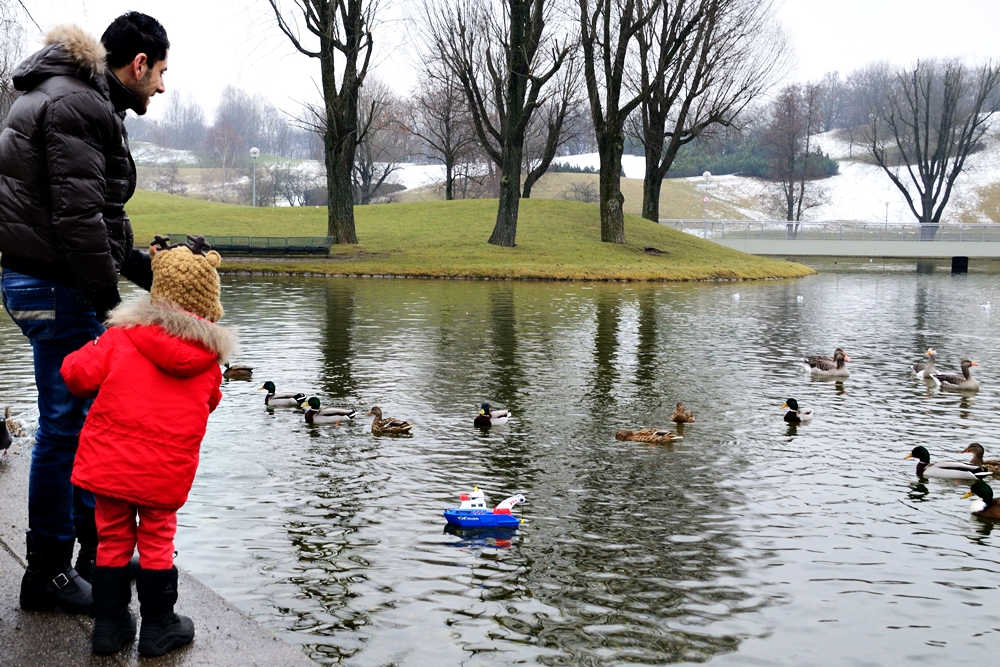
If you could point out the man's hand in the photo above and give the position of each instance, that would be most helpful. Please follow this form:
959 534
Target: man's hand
138 269
104 301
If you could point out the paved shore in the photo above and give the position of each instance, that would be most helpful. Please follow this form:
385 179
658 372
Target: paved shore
223 634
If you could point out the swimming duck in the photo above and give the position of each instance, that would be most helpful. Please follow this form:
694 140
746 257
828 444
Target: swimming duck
985 507
925 371
821 366
650 435
963 382
387 425
977 451
237 372
317 415
682 415
5 439
795 414
273 400
945 469
816 358
487 417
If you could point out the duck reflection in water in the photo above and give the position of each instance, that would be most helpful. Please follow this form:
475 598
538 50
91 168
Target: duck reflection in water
481 538
918 492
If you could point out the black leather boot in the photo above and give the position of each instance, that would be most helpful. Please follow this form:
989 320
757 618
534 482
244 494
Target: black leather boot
86 535
50 581
114 624
162 630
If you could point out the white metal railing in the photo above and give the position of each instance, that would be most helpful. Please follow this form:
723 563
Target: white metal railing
836 230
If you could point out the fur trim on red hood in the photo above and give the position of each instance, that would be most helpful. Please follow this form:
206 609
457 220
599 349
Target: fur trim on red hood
176 322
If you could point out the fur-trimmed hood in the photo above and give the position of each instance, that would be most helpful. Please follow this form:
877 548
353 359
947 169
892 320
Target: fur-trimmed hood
177 323
68 51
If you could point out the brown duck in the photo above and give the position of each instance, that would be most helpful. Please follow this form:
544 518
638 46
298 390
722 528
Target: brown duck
651 435
682 415
821 366
963 382
977 451
387 425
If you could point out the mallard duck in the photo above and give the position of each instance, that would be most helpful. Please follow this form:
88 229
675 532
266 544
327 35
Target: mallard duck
652 435
963 382
5 439
985 507
945 469
15 429
237 372
487 417
822 366
925 371
682 415
317 415
273 400
387 425
977 451
795 414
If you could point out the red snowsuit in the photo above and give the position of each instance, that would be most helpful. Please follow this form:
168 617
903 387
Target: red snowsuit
156 376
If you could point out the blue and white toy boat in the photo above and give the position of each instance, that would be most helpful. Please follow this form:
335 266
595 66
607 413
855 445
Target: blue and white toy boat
473 513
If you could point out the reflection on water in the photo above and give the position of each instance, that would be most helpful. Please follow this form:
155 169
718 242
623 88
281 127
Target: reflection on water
750 541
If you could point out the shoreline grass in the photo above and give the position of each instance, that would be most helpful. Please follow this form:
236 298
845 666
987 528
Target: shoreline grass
556 240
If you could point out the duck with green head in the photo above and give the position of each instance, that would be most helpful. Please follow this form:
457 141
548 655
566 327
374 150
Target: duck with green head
317 415
986 507
944 469
795 414
488 417
273 400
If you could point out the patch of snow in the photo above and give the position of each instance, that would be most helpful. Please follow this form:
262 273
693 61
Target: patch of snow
633 165
146 153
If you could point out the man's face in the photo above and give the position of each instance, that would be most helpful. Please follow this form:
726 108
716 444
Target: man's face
149 82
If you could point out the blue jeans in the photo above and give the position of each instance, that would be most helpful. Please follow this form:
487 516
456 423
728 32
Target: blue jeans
57 320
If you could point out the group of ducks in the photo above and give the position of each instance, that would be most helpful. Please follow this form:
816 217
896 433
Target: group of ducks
381 425
658 435
975 470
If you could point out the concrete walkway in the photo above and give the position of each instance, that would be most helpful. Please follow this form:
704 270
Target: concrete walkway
223 634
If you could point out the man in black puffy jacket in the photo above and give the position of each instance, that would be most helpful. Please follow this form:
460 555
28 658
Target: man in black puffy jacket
65 176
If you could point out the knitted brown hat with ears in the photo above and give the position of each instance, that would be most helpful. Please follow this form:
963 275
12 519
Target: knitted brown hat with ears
184 276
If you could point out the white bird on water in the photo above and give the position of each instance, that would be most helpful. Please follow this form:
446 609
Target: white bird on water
800 298
736 296
985 306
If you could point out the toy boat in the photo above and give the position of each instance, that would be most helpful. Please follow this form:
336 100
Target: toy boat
473 513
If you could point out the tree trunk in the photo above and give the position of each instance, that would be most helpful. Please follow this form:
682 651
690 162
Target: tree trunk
612 201
651 184
340 190
449 180
505 230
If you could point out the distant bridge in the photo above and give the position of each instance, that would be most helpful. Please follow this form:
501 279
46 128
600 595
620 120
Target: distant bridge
847 239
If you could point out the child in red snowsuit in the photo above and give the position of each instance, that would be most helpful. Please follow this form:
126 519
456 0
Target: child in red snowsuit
156 377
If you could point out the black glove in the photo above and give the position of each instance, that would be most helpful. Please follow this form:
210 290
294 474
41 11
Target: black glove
104 301
138 269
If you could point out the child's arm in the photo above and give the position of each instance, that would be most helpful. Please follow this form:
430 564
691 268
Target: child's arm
85 370
213 400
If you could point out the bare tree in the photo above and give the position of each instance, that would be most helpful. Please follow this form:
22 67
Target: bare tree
343 29
735 53
11 51
384 145
833 101
503 55
922 132
183 125
609 33
795 119
437 115
553 125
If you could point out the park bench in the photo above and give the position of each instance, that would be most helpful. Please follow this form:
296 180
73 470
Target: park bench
258 246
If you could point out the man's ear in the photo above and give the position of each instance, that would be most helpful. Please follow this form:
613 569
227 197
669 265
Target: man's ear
139 65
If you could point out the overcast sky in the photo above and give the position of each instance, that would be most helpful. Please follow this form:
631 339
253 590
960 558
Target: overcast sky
220 42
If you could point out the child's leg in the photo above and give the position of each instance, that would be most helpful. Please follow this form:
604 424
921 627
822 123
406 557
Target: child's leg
114 625
116 531
162 630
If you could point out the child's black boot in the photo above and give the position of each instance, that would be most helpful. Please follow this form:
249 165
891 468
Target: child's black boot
162 630
114 624
50 580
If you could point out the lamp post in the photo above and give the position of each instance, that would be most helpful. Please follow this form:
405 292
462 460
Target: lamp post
707 185
887 213
255 153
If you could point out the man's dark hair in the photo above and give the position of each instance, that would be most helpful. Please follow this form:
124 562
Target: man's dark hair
133 33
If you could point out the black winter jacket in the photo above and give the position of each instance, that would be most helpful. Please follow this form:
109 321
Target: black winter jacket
65 168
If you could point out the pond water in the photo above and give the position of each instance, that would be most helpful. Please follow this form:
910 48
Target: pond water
748 542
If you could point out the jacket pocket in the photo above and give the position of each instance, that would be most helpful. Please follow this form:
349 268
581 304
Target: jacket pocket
32 308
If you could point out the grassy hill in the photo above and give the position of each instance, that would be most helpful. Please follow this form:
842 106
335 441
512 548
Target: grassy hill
555 240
